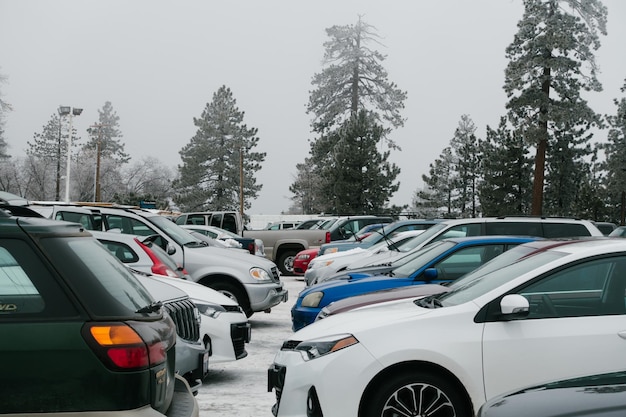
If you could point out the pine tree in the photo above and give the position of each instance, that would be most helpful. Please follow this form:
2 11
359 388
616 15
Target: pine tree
353 80
615 161
48 159
360 178
545 75
306 189
216 157
464 146
438 195
506 184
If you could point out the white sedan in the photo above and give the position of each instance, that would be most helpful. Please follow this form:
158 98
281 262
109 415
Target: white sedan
556 313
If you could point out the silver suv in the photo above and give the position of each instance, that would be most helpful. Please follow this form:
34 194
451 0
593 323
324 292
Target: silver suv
253 281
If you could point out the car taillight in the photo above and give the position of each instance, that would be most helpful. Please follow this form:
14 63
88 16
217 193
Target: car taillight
158 267
251 248
121 346
327 237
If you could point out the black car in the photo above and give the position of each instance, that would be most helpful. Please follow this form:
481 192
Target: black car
79 332
601 395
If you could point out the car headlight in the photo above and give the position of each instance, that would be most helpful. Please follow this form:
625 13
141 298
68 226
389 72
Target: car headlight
313 299
331 250
315 348
260 274
304 256
209 309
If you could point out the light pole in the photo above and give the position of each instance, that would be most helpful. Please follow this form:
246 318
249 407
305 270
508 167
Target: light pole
68 111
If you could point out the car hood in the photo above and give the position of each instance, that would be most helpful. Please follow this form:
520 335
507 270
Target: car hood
197 291
160 291
358 320
235 256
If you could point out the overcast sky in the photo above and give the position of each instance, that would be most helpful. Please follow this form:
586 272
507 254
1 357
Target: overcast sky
159 62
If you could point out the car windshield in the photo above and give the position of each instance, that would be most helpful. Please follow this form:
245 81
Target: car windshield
174 231
422 257
479 282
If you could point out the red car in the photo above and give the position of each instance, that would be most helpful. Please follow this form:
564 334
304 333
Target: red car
302 259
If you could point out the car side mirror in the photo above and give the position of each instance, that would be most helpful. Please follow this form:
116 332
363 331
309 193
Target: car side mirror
170 249
430 274
514 306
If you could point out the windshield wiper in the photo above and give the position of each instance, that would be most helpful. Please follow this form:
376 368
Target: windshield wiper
430 301
153 307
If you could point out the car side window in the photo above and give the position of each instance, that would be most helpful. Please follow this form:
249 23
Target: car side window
196 219
556 230
465 260
592 288
121 251
462 230
26 287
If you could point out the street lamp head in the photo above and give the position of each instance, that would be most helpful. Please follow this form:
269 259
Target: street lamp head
64 110
76 112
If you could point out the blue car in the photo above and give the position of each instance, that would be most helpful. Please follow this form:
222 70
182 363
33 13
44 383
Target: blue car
438 263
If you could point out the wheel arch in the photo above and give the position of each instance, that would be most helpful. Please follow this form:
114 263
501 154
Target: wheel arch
412 366
213 280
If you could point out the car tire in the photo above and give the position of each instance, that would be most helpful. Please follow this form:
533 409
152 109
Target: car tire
416 394
285 262
234 293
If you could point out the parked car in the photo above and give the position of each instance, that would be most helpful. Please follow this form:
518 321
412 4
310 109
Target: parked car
312 223
302 260
80 333
224 327
605 227
345 227
546 227
553 314
227 220
281 225
385 232
254 246
380 296
438 263
325 266
12 199
192 355
254 282
601 395
619 231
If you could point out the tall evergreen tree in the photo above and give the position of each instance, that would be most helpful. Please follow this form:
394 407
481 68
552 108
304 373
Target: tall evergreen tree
360 178
217 157
545 75
306 189
615 162
506 179
438 195
567 171
353 80
465 147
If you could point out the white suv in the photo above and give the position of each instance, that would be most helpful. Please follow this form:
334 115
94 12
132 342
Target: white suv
557 312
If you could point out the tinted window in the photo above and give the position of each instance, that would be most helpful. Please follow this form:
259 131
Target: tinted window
555 230
27 287
514 228
98 277
592 288
121 251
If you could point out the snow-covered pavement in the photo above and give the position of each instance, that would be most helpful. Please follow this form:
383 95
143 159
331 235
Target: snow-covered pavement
239 389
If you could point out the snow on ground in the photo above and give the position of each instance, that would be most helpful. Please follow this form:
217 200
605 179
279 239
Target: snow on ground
239 389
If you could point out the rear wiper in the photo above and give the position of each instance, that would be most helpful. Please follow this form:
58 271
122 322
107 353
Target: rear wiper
153 307
428 302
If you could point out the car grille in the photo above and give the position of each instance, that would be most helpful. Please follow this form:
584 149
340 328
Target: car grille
239 334
184 314
275 274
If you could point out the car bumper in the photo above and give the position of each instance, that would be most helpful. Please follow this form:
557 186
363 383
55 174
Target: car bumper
265 296
184 404
303 386
228 334
303 316
192 362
